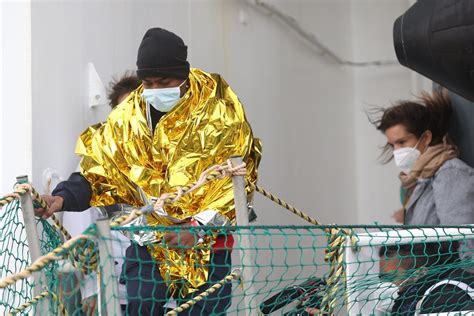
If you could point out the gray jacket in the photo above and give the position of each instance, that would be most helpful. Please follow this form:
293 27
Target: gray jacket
445 199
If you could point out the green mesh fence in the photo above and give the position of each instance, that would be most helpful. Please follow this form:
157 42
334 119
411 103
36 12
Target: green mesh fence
14 256
381 270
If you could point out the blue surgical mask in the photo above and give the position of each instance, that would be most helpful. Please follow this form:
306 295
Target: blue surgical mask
163 99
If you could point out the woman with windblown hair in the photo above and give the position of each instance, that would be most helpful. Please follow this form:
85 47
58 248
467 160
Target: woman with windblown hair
438 188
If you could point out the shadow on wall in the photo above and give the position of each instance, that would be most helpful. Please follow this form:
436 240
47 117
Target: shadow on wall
462 127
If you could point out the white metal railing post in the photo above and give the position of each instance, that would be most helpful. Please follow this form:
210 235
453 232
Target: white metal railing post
34 247
242 218
109 303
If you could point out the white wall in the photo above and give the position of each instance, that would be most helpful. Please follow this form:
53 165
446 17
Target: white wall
308 111
320 152
299 103
378 187
3 188
65 37
15 131
15 93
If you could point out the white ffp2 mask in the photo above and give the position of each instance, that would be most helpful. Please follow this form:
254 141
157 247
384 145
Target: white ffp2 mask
405 158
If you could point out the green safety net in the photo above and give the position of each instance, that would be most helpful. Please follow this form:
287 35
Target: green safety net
398 270
14 256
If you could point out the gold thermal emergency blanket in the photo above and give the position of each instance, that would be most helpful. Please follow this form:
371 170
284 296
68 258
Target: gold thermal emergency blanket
122 157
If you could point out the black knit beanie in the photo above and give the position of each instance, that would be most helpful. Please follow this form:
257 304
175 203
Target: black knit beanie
162 54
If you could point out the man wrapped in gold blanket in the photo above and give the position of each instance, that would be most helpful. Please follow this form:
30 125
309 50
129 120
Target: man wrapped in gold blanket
180 122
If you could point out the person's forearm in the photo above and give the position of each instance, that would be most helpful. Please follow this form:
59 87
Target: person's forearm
76 192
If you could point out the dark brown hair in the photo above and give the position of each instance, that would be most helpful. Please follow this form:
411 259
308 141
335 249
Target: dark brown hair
123 85
423 254
431 112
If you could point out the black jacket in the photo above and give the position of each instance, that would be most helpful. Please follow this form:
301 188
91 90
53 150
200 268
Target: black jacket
442 299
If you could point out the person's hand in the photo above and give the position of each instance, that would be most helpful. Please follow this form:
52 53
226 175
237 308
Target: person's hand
399 216
181 239
89 305
55 204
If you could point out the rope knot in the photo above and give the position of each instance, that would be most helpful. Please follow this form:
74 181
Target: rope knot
22 188
227 170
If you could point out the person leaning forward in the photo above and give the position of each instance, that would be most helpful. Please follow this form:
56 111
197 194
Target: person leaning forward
177 124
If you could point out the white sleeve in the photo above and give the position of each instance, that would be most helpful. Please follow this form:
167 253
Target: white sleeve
89 285
384 297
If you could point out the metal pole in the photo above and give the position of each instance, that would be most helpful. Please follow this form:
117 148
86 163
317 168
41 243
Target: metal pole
242 217
109 303
33 247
